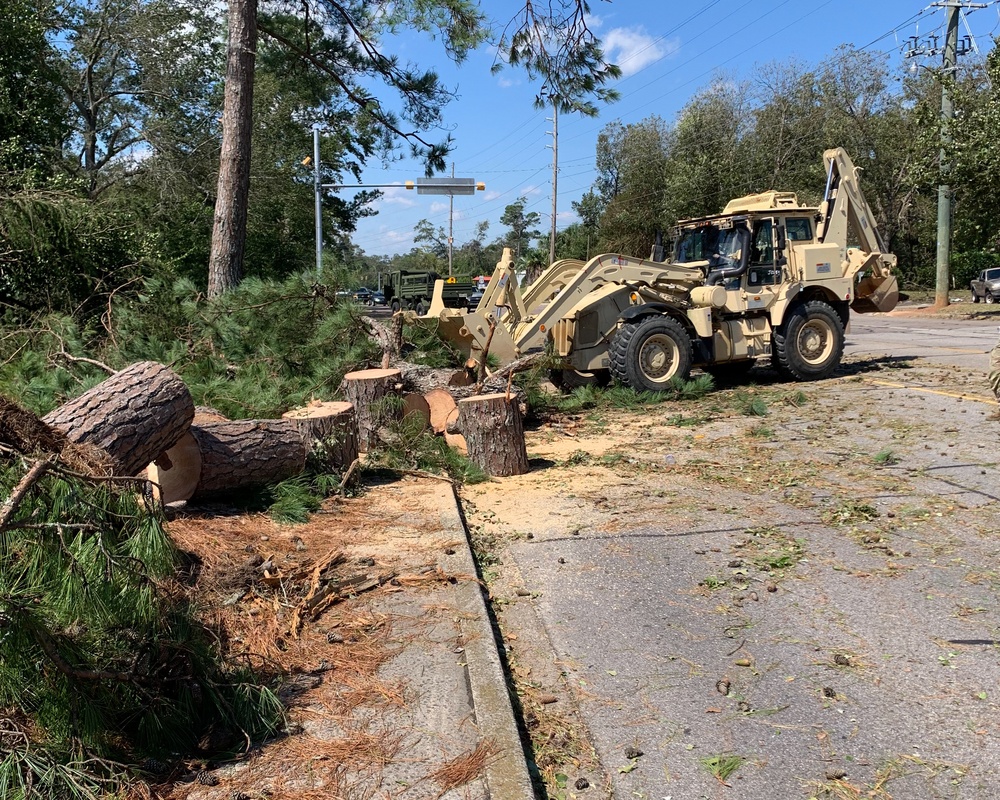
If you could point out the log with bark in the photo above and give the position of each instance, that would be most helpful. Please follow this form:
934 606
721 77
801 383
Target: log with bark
368 390
135 415
330 430
494 433
247 453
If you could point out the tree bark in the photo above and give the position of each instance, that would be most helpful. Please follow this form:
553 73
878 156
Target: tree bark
225 265
367 389
494 434
330 430
246 453
134 415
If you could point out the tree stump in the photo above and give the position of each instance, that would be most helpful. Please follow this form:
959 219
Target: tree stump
175 473
134 415
248 452
330 431
494 433
368 389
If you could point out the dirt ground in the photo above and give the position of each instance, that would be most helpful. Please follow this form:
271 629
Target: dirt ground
831 548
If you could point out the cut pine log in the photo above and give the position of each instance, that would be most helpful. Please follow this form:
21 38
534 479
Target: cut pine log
134 415
456 442
441 404
175 473
203 414
330 430
368 389
494 433
246 453
416 410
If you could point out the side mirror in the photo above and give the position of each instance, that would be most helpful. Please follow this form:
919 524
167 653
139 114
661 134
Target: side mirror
781 237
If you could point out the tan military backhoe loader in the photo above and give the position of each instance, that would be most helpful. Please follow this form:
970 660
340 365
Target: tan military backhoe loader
767 277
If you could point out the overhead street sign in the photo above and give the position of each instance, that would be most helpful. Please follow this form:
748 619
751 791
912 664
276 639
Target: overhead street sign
446 186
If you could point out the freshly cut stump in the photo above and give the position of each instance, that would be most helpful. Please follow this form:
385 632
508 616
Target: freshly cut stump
494 433
330 430
367 389
247 452
134 415
175 473
441 404
416 409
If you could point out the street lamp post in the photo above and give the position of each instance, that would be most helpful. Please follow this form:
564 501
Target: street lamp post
439 186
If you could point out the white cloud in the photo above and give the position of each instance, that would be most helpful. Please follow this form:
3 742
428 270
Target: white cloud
506 83
632 49
567 217
437 208
397 197
490 196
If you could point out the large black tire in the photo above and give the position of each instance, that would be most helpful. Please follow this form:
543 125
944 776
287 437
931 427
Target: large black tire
975 297
395 306
421 309
810 344
648 353
569 379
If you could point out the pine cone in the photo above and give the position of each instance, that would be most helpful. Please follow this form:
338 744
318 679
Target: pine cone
153 766
206 778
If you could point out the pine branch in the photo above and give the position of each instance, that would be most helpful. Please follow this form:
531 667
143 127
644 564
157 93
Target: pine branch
12 503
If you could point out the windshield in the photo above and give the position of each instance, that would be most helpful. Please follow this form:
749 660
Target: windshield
707 243
992 274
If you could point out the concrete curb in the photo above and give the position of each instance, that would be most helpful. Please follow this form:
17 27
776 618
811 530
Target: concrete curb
507 776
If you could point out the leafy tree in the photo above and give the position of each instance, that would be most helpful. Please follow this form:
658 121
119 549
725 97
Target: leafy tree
634 158
31 113
521 226
435 239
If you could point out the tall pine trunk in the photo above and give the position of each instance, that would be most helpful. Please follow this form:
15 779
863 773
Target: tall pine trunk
225 265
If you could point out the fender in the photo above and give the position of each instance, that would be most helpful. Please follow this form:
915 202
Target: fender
647 309
702 347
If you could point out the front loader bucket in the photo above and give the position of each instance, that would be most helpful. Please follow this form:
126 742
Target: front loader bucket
469 332
876 293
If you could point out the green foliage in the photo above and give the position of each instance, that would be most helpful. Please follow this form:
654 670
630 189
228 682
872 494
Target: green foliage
100 650
966 266
293 500
750 404
411 447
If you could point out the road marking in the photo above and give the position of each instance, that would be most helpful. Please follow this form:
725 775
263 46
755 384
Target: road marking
974 398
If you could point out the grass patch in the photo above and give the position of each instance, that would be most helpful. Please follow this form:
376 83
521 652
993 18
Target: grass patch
761 432
885 458
750 404
722 766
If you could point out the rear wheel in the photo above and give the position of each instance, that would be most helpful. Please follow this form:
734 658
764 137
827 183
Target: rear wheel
421 308
395 306
810 344
649 353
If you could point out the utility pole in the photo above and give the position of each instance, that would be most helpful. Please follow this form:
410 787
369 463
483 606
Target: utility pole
949 55
555 176
451 217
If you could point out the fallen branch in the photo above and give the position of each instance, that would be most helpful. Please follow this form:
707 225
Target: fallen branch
12 503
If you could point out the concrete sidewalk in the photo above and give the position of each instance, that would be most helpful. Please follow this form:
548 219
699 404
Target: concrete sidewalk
449 661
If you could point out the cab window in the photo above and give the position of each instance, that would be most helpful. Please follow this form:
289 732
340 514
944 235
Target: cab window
798 230
761 270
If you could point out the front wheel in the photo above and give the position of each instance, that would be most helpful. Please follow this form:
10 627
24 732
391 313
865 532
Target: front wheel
395 306
990 298
810 344
421 309
649 353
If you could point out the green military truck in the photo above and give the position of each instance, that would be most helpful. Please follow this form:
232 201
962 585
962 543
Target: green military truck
413 290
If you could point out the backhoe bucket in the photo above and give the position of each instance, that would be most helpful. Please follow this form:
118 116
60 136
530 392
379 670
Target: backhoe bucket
876 293
469 332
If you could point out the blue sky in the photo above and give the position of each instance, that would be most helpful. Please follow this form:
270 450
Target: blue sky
667 51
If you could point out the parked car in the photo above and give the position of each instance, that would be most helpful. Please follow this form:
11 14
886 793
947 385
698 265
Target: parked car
986 286
363 295
378 299
473 299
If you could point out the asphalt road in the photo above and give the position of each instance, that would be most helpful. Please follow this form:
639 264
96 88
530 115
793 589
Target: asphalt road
826 622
